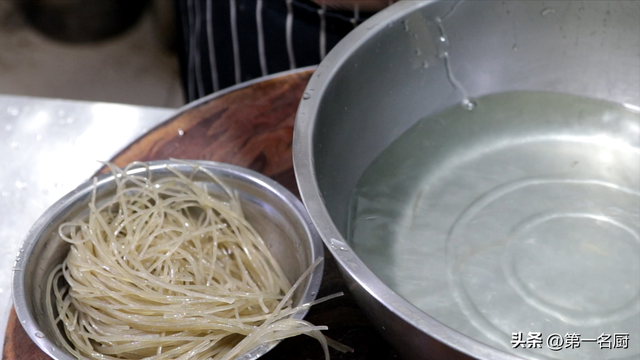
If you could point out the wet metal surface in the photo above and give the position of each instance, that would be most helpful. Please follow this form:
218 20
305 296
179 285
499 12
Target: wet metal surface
48 148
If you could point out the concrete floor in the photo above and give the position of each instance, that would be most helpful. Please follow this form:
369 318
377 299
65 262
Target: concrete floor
132 68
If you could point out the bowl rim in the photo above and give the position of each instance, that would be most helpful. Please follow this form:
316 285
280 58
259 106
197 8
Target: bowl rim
34 236
303 163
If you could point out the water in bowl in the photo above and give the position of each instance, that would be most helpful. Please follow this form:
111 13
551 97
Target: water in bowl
516 223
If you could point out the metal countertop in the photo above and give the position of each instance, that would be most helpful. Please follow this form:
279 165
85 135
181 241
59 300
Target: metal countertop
48 147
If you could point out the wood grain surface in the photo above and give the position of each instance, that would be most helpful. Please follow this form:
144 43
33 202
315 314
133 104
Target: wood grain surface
251 127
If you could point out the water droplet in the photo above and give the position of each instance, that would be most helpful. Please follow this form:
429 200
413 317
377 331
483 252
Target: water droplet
5 194
415 36
514 47
14 145
313 293
20 184
13 111
39 334
180 132
547 11
306 96
468 104
418 52
581 9
8 127
425 64
39 137
24 321
69 121
338 245
452 79
406 25
443 34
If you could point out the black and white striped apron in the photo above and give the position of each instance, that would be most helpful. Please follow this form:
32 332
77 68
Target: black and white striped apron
225 42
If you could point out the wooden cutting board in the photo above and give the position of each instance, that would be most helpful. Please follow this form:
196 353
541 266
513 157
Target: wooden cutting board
252 127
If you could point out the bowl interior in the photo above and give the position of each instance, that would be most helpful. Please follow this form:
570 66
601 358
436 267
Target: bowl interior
389 74
274 212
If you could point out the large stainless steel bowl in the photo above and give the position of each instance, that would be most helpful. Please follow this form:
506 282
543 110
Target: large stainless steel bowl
417 58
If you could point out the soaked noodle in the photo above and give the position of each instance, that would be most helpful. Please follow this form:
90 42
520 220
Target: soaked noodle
164 270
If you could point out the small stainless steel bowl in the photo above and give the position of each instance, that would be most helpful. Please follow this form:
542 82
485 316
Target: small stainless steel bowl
277 215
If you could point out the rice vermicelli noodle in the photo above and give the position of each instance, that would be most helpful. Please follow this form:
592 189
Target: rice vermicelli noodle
166 270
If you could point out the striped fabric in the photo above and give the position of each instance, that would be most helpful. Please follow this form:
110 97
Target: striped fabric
225 42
